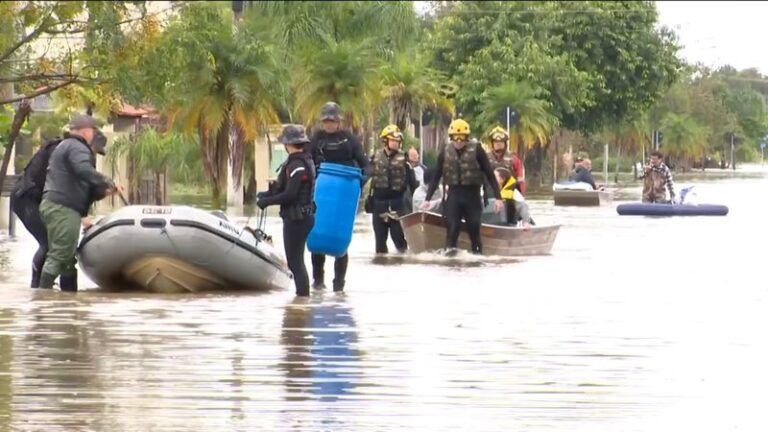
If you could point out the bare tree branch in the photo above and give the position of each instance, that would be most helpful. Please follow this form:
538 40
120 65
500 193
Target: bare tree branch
39 77
33 34
39 92
22 112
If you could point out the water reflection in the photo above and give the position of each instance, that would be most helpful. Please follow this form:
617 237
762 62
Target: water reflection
321 358
59 380
6 361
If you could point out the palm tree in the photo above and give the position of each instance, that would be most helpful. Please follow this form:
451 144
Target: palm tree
411 85
685 138
535 121
346 72
228 91
628 136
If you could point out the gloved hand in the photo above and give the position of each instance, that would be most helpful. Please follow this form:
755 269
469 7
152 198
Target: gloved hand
485 201
261 202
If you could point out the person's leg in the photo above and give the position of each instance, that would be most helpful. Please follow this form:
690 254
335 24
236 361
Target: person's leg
396 228
318 271
63 226
295 235
28 212
473 213
453 217
380 226
340 272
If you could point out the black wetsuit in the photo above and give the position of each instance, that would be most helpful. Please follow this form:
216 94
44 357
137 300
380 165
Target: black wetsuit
294 193
464 201
340 147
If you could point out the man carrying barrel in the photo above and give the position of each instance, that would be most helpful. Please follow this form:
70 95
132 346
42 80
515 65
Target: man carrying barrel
340 146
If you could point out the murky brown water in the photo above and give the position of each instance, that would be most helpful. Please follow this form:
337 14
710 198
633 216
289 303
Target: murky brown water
632 324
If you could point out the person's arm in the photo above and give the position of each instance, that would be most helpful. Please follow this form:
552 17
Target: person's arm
358 154
297 174
438 176
410 178
670 182
79 159
485 166
591 181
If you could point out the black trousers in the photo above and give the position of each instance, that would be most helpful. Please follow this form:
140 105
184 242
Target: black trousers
295 235
382 228
28 212
464 202
339 269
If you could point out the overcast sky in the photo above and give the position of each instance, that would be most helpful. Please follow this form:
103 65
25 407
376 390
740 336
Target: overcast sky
715 32
719 32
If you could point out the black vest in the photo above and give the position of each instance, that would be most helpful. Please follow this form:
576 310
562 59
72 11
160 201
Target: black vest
304 205
334 147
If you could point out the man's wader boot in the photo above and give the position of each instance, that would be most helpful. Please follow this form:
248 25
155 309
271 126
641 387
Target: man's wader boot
47 280
68 282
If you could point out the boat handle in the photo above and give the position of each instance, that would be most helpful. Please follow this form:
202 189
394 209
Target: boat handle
153 223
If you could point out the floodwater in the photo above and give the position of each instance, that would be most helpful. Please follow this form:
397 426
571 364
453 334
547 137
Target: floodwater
631 324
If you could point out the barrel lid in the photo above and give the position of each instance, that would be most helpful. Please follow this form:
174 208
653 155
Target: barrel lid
339 169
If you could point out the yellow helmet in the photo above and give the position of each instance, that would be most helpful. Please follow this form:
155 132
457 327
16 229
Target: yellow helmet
458 127
391 132
499 134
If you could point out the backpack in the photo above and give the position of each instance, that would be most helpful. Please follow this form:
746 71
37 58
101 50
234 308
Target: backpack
32 180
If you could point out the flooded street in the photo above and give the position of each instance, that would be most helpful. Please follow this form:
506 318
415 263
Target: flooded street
631 324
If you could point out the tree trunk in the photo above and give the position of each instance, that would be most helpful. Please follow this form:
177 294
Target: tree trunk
18 121
618 164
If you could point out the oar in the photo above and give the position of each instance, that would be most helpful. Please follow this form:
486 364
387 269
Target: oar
122 198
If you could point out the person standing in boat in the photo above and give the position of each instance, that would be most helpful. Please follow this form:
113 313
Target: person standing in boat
72 185
294 193
657 181
340 146
392 175
465 167
501 157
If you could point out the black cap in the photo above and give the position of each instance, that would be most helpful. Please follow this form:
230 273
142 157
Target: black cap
82 122
330 111
293 134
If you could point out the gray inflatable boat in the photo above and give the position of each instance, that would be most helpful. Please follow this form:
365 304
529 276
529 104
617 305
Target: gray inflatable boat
171 249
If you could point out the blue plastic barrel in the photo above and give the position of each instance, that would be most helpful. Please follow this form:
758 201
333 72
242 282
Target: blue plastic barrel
337 194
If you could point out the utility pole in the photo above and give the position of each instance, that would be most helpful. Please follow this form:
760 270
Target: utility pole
733 161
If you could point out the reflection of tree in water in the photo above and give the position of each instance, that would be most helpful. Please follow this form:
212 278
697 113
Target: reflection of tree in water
60 383
6 359
320 358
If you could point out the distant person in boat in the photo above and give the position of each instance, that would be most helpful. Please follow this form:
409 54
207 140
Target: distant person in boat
466 168
294 193
420 195
657 181
391 176
72 185
516 208
582 173
335 145
501 157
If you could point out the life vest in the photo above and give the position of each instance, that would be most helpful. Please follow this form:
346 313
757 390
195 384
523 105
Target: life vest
462 169
389 171
508 190
504 162
334 147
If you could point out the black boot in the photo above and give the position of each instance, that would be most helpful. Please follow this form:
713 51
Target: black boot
46 280
68 282
35 278
338 286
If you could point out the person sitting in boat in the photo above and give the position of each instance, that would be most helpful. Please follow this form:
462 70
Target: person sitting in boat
514 204
501 157
420 194
657 181
391 176
583 173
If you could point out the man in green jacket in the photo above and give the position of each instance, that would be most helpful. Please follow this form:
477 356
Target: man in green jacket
72 185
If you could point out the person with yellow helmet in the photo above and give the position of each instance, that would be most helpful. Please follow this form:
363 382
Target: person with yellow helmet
464 168
391 176
501 157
